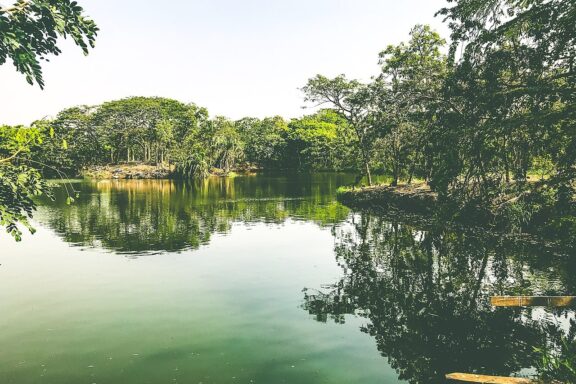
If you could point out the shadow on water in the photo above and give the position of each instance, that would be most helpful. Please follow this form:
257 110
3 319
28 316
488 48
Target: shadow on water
152 216
425 297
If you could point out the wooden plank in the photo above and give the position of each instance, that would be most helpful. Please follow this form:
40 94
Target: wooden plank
533 301
472 378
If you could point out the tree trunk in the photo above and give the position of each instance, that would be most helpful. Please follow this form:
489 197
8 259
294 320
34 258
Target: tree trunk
506 162
368 174
412 170
395 175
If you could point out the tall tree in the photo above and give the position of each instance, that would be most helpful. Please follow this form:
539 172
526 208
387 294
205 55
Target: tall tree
144 128
412 77
355 102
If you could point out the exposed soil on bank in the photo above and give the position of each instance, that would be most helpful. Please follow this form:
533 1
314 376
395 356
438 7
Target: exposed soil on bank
128 171
149 171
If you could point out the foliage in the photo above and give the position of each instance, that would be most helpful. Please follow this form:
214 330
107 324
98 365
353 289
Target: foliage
68 143
558 358
19 182
225 143
264 140
144 128
162 131
322 141
409 86
193 166
477 124
356 103
29 32
513 88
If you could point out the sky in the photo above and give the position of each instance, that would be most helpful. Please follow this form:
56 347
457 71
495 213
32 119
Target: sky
237 58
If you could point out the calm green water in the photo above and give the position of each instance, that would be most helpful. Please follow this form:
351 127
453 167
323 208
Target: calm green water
262 279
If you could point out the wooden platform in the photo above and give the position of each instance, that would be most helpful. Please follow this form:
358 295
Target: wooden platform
472 378
533 301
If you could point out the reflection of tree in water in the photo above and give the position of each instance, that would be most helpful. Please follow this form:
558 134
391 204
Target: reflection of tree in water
425 296
162 215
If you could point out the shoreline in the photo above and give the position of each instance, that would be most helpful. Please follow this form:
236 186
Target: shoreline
161 172
139 171
418 200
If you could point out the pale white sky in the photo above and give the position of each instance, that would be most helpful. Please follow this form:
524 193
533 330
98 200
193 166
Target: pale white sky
237 58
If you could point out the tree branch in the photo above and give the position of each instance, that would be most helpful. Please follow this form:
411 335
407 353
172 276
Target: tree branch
11 157
17 7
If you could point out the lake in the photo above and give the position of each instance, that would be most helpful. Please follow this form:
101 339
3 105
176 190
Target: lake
263 279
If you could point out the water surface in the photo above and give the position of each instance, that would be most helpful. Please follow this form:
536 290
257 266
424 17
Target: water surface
262 279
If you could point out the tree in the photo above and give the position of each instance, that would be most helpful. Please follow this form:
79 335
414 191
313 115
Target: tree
410 86
70 143
265 140
515 82
225 143
144 129
29 32
355 102
322 141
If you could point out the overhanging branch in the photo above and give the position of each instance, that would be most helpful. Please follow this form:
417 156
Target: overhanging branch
16 7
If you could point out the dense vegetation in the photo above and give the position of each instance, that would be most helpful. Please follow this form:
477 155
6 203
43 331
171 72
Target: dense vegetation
486 120
162 131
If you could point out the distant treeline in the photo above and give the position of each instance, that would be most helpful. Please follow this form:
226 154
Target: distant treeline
164 131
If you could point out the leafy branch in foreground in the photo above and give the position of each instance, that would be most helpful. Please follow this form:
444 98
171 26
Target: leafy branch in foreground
20 179
29 32
19 183
18 186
